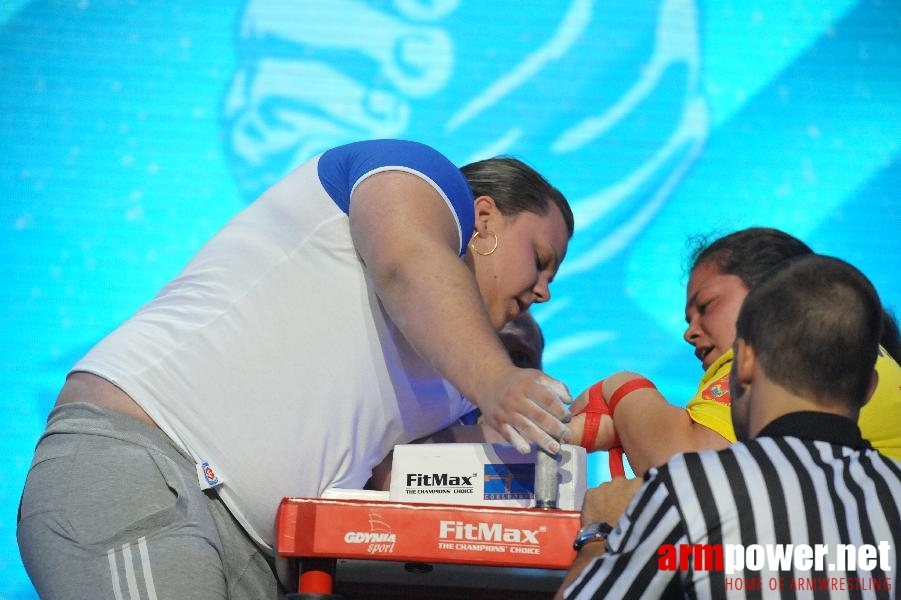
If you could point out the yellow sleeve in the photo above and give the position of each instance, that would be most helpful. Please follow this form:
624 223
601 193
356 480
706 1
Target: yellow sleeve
880 418
711 404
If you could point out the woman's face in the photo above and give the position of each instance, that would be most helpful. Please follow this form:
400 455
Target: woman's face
529 251
712 304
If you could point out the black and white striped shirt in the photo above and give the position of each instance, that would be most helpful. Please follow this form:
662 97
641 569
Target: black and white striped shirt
807 479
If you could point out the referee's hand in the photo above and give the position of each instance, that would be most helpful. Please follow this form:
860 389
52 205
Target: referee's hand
608 501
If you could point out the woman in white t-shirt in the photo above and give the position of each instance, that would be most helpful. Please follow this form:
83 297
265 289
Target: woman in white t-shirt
354 306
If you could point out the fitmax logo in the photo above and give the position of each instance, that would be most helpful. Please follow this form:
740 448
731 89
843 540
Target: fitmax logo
438 479
486 532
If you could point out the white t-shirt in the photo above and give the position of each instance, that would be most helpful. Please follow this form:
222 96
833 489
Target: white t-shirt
270 355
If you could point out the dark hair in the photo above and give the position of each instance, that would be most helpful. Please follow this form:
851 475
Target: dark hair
516 187
524 341
814 322
748 253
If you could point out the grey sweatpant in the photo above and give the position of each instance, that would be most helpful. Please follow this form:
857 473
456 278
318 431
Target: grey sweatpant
113 510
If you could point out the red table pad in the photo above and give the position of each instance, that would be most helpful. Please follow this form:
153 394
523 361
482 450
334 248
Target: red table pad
382 530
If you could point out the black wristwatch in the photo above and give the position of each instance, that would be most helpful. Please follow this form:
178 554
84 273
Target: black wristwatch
593 532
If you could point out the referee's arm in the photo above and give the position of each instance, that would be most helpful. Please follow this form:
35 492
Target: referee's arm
627 565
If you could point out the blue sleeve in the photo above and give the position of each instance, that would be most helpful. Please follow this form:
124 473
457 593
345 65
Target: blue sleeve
342 168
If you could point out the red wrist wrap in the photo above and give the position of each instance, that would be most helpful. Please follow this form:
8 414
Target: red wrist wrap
593 411
615 454
626 389
615 460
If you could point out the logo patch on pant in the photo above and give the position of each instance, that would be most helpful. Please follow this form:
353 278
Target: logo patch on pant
207 475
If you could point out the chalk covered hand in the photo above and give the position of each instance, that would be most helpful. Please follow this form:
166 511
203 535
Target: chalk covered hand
526 406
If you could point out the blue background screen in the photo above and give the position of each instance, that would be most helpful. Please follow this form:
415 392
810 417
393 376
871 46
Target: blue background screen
130 131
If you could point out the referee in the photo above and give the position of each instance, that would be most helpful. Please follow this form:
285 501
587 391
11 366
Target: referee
801 506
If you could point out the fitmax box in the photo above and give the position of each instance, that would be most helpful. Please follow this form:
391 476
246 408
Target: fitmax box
481 475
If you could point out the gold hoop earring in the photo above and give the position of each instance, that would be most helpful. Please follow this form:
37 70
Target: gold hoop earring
472 244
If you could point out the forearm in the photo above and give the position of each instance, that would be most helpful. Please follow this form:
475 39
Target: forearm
433 299
651 430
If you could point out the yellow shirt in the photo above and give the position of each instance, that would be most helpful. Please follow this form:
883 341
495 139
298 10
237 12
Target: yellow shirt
879 421
711 404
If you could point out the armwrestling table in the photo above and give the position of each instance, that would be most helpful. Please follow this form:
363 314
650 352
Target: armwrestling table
384 549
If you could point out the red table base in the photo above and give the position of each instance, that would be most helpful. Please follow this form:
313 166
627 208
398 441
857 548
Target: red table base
319 531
